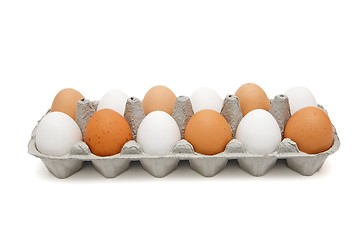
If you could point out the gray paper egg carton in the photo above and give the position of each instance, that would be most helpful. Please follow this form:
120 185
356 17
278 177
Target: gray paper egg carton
160 166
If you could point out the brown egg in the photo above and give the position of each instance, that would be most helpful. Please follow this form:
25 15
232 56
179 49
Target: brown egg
159 98
66 101
208 132
107 132
311 129
252 97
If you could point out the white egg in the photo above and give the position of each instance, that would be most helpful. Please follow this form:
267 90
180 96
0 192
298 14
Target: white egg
300 97
158 133
206 98
114 100
56 134
259 132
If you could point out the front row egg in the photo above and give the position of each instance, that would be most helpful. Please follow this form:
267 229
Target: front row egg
107 132
311 129
158 133
259 132
208 132
56 134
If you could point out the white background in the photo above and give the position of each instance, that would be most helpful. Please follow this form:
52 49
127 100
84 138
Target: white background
133 45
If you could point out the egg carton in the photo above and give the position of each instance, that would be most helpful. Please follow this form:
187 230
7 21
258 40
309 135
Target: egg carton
160 166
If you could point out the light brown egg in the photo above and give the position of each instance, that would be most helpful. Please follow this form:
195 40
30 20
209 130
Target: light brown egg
159 98
208 132
311 129
66 101
252 97
107 132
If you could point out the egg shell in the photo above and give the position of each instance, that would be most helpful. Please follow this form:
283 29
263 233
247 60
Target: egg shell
206 98
208 132
56 134
311 129
300 97
114 100
159 98
158 133
252 97
259 132
107 132
66 101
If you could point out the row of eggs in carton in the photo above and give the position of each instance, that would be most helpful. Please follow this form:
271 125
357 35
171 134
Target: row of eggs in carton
205 123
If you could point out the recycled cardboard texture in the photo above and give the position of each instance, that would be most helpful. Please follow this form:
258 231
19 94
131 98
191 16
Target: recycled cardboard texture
208 166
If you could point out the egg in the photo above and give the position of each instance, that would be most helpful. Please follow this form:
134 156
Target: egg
300 97
158 133
159 98
114 100
259 132
206 98
66 101
311 129
107 132
208 132
252 97
56 134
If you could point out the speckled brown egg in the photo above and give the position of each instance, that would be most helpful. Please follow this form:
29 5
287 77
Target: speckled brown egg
252 97
159 98
311 129
208 132
107 132
66 101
